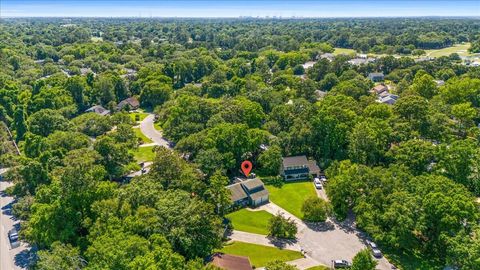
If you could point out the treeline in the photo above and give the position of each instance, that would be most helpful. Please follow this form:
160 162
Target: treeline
409 171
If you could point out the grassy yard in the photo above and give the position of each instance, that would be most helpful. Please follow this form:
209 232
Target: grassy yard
290 196
157 126
142 115
250 221
343 51
140 135
260 255
143 154
319 267
461 49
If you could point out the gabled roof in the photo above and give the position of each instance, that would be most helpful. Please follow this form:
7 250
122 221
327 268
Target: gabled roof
294 161
252 183
375 74
132 101
238 193
231 262
98 109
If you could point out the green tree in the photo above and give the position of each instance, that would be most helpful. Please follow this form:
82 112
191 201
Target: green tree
315 209
270 160
282 227
60 257
363 261
19 123
279 265
217 194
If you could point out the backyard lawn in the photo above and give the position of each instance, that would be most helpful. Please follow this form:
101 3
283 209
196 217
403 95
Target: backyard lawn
290 196
140 135
260 255
250 221
143 154
343 51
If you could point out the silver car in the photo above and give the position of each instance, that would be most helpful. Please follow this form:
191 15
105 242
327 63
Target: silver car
374 248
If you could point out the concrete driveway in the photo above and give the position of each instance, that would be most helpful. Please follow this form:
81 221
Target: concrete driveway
326 241
148 129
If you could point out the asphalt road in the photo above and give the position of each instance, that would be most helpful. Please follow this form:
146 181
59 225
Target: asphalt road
10 258
147 128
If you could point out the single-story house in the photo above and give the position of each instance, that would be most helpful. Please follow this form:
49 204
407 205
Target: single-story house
230 262
376 77
439 82
132 102
329 56
389 99
298 167
251 192
379 88
98 109
361 61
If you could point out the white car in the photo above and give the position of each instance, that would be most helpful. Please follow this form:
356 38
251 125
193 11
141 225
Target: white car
317 183
374 248
323 179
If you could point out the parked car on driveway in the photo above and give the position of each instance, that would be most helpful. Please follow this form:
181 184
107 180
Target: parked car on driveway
13 235
374 248
341 264
317 183
323 179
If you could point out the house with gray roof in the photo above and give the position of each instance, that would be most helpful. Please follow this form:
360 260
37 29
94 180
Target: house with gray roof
298 168
249 192
98 109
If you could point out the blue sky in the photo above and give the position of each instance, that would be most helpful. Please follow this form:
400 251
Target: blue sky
235 8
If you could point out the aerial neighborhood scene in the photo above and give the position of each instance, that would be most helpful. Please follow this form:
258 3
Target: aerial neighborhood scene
239 135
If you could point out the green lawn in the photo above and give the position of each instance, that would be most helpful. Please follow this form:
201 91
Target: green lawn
143 154
250 221
290 196
461 49
157 126
319 267
142 115
343 51
140 135
260 255
410 260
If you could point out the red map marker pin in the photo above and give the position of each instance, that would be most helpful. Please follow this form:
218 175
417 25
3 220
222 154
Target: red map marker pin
246 167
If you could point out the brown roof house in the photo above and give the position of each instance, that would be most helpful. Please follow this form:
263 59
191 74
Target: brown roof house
131 102
379 88
251 192
230 262
298 168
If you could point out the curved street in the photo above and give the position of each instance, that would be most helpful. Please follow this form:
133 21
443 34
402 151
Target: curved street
148 129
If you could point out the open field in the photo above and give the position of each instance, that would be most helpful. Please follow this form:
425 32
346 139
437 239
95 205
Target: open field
461 49
250 221
143 154
260 255
290 196
343 51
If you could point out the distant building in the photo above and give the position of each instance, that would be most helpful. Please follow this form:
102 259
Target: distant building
131 102
98 109
298 168
230 262
379 88
361 61
329 56
320 94
250 192
439 82
387 98
376 77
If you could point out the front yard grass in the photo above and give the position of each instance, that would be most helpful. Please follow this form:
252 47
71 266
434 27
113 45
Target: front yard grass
250 221
142 136
290 196
141 116
260 255
319 267
339 51
143 154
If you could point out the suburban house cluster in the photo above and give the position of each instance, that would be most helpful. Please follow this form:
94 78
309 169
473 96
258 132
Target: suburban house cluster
130 103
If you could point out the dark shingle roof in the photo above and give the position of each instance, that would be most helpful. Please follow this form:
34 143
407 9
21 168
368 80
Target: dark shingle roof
252 183
259 194
237 192
294 161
